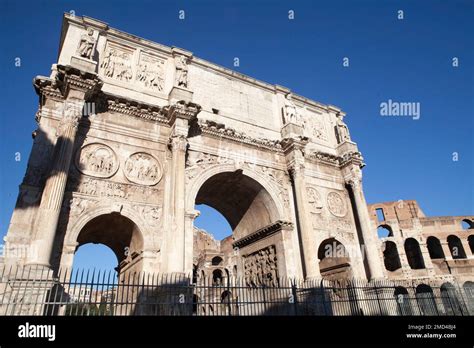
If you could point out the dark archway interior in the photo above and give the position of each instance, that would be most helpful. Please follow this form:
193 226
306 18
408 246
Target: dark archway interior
434 248
115 231
334 261
391 257
245 203
413 252
455 245
470 240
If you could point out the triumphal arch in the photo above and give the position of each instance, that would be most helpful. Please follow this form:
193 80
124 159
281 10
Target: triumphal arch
133 134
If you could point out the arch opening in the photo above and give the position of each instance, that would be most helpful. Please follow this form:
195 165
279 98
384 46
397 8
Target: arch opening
456 248
413 252
334 260
450 300
384 231
116 232
390 257
470 241
467 224
434 248
244 202
425 299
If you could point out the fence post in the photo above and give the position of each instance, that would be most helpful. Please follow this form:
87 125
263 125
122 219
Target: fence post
295 298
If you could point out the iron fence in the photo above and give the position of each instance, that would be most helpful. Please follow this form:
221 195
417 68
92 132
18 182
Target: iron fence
39 291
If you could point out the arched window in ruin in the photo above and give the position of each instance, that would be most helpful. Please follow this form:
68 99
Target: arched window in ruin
384 231
216 261
425 299
334 260
390 257
456 248
470 240
449 297
404 302
467 224
413 252
434 248
468 288
217 277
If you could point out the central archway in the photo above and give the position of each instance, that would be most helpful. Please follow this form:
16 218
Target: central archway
251 205
243 201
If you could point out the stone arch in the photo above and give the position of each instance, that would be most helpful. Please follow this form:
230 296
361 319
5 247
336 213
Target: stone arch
450 299
404 305
391 257
334 260
196 184
414 255
425 298
216 261
384 231
470 241
456 247
88 217
467 224
434 248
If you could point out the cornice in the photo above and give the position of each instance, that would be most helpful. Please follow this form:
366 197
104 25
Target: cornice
262 233
219 130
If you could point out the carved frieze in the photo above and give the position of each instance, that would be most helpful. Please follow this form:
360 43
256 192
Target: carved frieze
315 128
336 204
116 63
97 160
261 267
105 188
151 215
199 161
151 72
142 168
220 130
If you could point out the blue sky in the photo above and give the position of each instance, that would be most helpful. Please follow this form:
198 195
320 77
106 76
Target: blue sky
407 60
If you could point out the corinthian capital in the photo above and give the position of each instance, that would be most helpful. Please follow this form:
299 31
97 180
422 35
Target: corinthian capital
71 115
178 143
354 177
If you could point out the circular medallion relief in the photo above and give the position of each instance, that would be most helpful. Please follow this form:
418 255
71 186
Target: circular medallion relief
314 200
97 160
142 168
336 204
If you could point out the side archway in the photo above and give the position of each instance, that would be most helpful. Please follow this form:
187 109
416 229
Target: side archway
334 260
122 230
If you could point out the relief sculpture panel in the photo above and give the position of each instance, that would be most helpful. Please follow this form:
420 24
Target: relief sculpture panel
151 72
97 160
260 267
116 63
142 168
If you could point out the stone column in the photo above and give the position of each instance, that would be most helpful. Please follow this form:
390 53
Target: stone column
76 85
446 250
179 248
293 151
467 248
189 218
425 254
371 252
53 192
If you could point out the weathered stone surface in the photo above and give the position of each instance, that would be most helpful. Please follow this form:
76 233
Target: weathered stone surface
133 134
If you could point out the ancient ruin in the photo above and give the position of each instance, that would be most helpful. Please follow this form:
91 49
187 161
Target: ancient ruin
133 134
